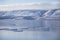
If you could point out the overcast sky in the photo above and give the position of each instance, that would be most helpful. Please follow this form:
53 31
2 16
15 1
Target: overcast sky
7 2
28 4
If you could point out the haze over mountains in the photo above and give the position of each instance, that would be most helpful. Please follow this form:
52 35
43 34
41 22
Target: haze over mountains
30 6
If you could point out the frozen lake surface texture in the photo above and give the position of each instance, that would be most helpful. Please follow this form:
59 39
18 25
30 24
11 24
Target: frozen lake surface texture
30 25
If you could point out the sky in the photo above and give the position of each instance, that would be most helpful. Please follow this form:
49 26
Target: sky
29 4
7 2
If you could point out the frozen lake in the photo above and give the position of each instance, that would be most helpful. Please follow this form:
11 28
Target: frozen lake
29 35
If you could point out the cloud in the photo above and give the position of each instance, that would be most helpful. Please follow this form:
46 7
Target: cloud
30 6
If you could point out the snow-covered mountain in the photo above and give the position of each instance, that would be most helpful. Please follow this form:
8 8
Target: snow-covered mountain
17 14
19 20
